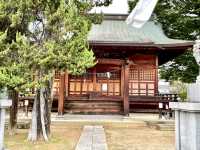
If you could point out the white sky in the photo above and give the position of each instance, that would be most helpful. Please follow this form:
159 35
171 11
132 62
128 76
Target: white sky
117 7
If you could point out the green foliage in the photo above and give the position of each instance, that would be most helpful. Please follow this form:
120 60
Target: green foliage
180 88
13 73
183 68
39 37
180 20
132 4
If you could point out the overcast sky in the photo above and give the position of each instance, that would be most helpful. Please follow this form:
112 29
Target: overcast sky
117 7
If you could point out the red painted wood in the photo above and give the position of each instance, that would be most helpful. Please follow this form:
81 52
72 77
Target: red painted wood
61 96
126 90
110 61
156 76
66 84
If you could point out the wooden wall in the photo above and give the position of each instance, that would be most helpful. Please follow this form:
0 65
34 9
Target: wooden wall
106 82
135 77
143 76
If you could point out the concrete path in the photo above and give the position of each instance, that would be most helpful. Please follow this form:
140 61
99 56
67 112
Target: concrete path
133 117
86 118
92 138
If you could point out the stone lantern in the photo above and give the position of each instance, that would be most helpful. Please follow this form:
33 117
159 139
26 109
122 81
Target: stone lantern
4 103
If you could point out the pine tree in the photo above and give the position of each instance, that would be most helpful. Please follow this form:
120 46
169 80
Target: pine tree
47 36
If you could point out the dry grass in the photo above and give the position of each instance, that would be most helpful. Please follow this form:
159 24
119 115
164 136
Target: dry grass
120 136
64 137
139 137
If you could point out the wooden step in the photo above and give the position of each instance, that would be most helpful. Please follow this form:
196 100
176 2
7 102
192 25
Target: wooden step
97 107
92 107
81 104
132 110
93 111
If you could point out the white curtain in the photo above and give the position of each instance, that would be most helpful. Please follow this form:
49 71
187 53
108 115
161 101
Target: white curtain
141 13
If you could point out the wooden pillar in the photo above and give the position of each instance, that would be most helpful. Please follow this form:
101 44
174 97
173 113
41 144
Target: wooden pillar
61 95
156 76
122 81
125 69
66 84
94 79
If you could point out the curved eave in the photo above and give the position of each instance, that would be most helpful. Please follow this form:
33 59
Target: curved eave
147 44
111 43
174 45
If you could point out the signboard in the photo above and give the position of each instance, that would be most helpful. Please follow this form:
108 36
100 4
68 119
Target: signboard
26 102
104 87
160 105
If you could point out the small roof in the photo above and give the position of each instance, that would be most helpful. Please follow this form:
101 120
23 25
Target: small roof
114 31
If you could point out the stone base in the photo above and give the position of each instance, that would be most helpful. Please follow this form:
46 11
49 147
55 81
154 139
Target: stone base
194 92
185 106
187 125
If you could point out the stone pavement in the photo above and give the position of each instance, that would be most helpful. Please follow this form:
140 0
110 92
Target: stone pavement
86 118
92 138
133 117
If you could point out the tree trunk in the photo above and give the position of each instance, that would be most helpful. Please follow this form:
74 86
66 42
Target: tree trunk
39 117
50 100
41 113
13 95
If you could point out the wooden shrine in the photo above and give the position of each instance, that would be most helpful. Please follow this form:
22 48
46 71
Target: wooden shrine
125 78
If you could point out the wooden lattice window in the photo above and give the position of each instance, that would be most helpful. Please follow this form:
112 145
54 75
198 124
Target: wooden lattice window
103 80
142 80
108 83
82 84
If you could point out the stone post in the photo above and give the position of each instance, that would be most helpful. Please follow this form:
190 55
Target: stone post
187 114
187 125
4 103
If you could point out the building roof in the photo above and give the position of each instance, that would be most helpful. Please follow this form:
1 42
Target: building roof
114 31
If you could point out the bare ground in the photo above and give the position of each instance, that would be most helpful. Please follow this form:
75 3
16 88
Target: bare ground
120 136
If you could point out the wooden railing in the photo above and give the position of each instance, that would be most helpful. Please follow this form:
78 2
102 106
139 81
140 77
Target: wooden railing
151 103
164 110
168 97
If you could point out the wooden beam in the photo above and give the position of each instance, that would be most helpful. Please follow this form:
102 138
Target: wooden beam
110 61
126 90
61 95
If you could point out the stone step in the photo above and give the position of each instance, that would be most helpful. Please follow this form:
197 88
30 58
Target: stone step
165 127
161 125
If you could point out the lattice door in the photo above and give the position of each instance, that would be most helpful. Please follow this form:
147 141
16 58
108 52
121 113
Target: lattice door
142 80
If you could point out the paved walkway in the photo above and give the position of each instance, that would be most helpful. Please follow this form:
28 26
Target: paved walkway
92 138
86 118
97 118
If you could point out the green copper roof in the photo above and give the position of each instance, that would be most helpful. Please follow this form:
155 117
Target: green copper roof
118 32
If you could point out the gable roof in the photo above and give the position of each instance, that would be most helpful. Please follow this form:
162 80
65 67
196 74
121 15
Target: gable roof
114 31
